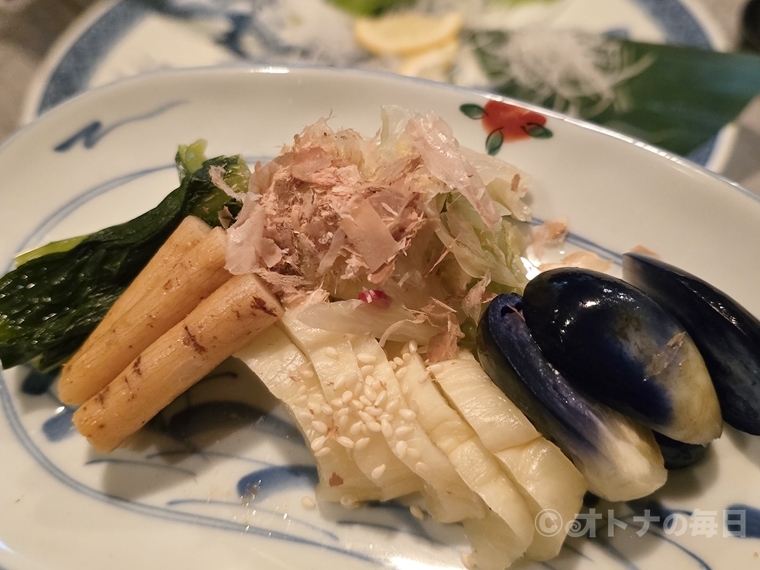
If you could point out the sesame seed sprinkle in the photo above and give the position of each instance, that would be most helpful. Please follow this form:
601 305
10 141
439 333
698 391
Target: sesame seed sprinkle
378 471
362 443
308 503
346 442
366 358
407 414
401 447
318 443
322 452
319 427
332 352
417 512
403 431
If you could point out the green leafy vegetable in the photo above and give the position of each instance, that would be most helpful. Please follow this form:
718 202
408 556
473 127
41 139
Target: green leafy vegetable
50 303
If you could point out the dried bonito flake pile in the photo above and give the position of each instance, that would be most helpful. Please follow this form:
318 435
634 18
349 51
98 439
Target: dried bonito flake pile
408 212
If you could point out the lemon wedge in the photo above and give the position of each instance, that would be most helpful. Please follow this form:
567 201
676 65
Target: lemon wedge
406 34
432 64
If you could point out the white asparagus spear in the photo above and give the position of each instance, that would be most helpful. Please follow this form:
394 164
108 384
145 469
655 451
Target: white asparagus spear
220 325
166 302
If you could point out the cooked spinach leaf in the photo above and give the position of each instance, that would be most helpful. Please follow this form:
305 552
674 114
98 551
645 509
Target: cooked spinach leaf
51 302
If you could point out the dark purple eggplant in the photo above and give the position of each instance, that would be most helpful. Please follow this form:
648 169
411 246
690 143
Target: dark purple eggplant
618 457
726 334
679 455
615 343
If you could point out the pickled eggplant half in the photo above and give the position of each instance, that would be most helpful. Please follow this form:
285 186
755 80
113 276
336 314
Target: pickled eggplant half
726 334
618 457
679 455
615 343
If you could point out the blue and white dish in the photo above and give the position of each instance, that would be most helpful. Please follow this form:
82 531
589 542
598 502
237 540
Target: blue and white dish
220 482
121 38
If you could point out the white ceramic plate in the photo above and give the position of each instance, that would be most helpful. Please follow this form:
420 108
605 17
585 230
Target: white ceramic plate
121 38
106 156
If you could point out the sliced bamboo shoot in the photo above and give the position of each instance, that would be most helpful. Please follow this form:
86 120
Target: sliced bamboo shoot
220 325
162 305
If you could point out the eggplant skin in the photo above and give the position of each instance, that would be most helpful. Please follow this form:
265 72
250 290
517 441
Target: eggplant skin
726 334
618 457
615 343
678 455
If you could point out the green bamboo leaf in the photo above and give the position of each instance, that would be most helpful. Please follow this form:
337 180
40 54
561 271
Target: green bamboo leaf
680 100
472 110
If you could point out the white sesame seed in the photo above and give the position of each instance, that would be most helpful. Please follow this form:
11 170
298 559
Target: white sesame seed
370 393
364 400
400 373
355 428
406 357
342 412
357 404
314 406
367 369
374 427
366 358
467 561
346 441
377 386
393 365
301 400
393 406
332 352
405 389
436 368
398 361
413 346
358 389
308 503
302 390
403 431
421 467
307 373
336 403
417 512
381 399
320 427
373 411
362 443
347 397
385 416
369 380
378 471
401 447
423 378
366 418
413 453
343 422
387 428
347 500
318 443
304 417
339 383
322 452
326 410
407 414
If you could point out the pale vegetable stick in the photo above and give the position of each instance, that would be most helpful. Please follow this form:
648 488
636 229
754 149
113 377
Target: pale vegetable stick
222 324
199 273
188 234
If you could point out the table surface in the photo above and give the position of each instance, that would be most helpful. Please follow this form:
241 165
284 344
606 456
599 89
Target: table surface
28 28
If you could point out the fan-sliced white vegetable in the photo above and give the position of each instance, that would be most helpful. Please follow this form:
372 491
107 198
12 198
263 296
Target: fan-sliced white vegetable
447 497
339 374
470 458
290 377
547 479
